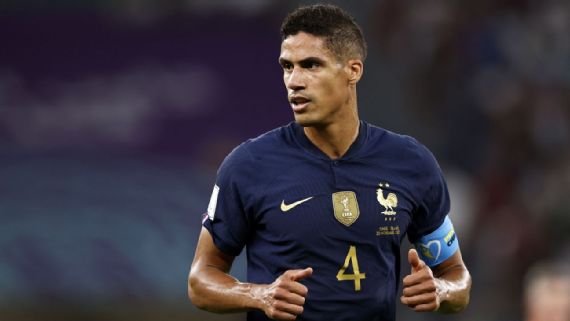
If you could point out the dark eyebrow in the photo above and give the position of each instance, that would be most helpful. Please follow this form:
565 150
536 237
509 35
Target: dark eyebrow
307 60
283 61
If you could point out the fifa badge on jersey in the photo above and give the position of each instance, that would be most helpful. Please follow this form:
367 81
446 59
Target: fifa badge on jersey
390 202
345 207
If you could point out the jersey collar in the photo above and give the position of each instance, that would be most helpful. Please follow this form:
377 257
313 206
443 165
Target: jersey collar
309 147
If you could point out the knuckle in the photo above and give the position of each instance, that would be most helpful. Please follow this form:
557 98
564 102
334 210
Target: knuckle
304 290
274 294
284 286
287 274
278 305
279 292
271 312
277 284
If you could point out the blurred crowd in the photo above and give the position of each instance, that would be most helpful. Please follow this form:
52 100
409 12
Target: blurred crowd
484 84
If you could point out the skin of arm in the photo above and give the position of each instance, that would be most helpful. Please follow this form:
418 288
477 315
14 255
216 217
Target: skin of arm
444 288
211 288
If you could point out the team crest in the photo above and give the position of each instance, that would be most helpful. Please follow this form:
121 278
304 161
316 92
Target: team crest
390 202
345 207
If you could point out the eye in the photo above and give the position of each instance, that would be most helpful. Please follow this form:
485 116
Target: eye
310 64
287 66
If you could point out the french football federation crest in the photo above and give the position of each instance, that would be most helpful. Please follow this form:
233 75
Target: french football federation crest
345 207
389 202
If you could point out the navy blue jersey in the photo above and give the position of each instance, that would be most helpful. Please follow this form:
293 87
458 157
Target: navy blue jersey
293 207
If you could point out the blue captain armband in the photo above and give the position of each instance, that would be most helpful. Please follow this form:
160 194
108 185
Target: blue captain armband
439 245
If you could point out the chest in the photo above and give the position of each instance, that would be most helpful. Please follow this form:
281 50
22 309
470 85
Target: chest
341 202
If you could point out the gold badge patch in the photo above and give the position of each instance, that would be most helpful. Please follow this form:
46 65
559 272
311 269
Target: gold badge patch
345 207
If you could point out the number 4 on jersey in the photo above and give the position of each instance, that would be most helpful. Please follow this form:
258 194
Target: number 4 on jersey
356 276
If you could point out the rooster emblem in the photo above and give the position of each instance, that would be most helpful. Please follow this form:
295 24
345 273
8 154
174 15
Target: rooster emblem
388 202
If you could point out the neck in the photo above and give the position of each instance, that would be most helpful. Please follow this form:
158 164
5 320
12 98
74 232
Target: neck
335 139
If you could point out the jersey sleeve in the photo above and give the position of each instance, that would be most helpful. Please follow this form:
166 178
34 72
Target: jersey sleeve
431 231
433 202
227 219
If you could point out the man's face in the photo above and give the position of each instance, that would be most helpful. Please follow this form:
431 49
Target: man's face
316 81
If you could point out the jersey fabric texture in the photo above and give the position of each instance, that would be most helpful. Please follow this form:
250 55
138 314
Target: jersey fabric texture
293 207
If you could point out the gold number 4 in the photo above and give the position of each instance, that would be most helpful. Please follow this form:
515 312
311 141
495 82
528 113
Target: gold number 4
356 276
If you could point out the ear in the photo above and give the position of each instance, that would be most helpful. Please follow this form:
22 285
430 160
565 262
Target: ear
355 70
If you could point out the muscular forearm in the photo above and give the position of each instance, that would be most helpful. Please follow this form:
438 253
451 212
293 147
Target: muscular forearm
454 285
214 290
211 288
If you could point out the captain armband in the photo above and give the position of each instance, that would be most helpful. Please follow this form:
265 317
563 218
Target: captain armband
439 245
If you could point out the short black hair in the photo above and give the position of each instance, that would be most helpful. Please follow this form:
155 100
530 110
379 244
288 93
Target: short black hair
342 34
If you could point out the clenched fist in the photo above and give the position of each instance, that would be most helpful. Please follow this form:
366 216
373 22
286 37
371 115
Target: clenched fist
284 298
421 289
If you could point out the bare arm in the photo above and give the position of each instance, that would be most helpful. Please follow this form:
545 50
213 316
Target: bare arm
211 288
454 284
445 288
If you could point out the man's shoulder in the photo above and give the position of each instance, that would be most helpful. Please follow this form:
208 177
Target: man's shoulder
256 159
252 150
272 139
395 142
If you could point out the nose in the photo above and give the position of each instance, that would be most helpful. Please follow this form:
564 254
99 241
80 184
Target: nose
295 80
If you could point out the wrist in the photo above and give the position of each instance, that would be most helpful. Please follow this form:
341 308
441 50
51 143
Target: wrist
258 296
443 294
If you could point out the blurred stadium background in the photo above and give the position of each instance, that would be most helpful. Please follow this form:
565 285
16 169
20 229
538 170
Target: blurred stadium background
114 116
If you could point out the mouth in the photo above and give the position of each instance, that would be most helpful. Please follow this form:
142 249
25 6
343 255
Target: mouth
299 103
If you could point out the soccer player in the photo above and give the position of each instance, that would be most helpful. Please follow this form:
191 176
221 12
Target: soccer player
323 203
